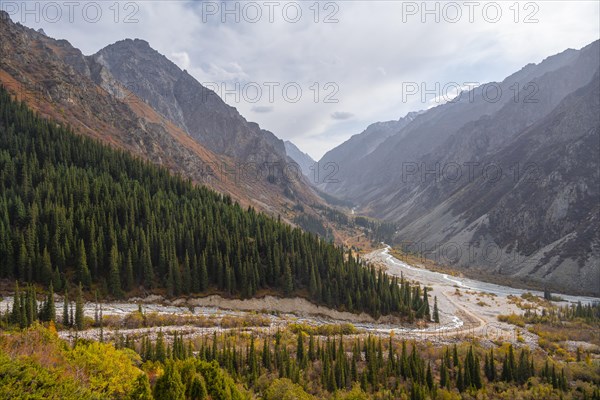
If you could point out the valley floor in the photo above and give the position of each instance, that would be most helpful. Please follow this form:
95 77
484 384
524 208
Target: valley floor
467 309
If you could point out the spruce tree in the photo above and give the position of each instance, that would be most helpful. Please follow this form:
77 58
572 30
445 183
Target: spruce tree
16 307
114 281
169 386
160 351
444 381
79 319
49 306
300 356
141 388
288 283
197 390
83 273
65 319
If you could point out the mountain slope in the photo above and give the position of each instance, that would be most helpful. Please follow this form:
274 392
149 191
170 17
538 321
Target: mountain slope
361 145
183 100
468 177
304 161
371 177
540 225
75 211
58 81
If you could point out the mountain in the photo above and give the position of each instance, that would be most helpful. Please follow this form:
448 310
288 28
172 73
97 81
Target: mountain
362 144
515 179
183 100
304 161
132 97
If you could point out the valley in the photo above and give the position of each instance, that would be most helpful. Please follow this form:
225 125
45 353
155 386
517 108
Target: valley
164 239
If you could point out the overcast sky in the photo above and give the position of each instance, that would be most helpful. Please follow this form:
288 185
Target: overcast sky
317 73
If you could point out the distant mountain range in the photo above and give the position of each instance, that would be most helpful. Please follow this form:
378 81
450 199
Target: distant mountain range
304 161
507 188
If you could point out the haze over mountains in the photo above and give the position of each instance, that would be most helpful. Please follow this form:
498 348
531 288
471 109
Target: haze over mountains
305 162
506 187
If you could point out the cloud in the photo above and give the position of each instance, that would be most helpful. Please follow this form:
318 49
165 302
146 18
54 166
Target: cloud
355 57
341 115
182 59
262 109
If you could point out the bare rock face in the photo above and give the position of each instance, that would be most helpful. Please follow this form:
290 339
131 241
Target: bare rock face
508 188
182 99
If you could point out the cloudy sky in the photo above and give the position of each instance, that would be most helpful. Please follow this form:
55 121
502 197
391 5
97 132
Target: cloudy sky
316 73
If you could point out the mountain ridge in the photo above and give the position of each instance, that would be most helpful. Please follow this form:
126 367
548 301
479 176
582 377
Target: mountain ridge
408 179
58 81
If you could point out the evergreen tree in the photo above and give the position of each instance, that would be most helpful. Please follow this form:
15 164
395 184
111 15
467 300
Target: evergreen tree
197 389
114 275
83 273
49 310
300 357
16 307
436 315
288 286
169 386
141 388
79 320
444 379
65 319
160 351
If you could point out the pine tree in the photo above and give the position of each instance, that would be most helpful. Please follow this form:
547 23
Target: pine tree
429 377
79 320
160 351
114 281
288 285
46 274
455 361
197 390
16 307
444 381
129 280
266 354
146 261
141 388
460 384
436 315
49 306
169 386
203 274
83 273
300 357
426 310
65 319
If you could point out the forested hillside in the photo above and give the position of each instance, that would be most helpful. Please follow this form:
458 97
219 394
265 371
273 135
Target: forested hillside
73 210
